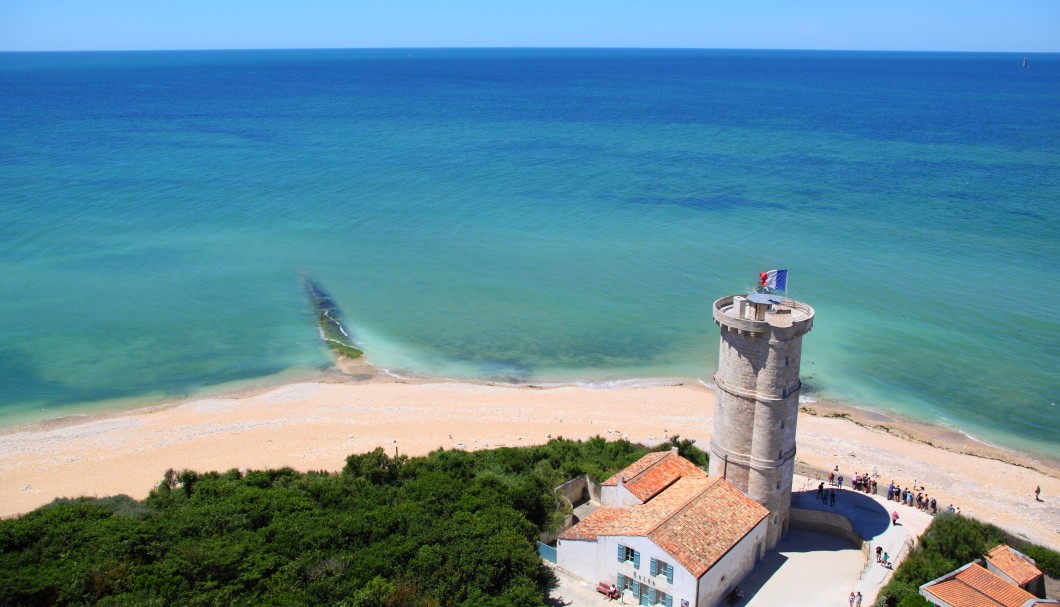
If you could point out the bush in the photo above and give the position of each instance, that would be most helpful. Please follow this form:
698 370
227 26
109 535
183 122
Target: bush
451 528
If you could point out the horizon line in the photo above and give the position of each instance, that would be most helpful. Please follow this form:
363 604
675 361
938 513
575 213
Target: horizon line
582 48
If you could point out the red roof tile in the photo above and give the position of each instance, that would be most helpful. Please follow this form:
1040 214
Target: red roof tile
702 532
696 520
649 475
974 586
1012 564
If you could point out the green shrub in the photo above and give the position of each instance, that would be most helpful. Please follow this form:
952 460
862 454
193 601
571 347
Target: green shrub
452 528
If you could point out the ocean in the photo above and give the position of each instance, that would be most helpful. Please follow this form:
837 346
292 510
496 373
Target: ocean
532 215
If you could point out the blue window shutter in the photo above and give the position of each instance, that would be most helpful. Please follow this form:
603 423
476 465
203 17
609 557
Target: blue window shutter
654 565
670 573
636 559
651 596
636 588
669 601
621 553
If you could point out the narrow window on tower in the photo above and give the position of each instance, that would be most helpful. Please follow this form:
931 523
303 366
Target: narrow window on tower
781 424
787 360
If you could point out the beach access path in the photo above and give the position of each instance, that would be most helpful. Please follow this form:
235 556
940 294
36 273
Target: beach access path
314 425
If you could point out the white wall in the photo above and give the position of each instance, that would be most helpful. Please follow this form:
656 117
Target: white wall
598 562
617 496
716 583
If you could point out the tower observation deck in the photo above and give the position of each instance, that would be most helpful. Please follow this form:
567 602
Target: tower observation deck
757 404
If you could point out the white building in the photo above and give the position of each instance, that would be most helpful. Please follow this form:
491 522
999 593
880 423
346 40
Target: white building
667 534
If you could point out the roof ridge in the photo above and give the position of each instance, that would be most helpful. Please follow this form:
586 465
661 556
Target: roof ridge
714 482
648 467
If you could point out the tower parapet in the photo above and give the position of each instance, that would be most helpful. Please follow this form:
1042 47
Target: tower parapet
757 404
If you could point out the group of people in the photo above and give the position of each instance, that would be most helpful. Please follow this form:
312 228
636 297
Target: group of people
919 500
826 495
860 482
855 599
864 483
882 557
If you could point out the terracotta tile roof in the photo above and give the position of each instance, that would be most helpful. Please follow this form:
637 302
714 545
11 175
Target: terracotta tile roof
974 586
1012 564
697 520
649 475
602 521
712 523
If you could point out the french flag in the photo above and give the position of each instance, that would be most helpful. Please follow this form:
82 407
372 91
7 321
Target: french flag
774 279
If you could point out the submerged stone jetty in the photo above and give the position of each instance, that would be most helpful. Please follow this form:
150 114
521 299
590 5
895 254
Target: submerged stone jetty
333 330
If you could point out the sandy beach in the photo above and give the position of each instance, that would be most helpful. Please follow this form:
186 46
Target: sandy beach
314 424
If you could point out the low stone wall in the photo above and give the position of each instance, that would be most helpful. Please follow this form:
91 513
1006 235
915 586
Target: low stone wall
827 522
575 490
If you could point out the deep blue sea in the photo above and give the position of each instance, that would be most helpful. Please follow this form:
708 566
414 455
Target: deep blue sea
535 215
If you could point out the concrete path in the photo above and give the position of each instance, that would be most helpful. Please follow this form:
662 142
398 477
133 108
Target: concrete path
808 568
870 515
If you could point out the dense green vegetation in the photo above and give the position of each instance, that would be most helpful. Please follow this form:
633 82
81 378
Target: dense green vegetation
952 541
452 528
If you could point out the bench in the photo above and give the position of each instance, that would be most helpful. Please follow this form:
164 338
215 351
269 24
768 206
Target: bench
604 588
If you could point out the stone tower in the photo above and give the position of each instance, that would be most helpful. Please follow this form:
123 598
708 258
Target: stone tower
753 444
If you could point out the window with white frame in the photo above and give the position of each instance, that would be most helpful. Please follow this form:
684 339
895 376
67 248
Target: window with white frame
643 594
661 598
627 554
662 569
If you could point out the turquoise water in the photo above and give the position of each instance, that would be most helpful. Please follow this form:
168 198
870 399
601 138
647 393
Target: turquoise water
553 215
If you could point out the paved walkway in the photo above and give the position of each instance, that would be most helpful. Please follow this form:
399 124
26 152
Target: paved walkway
809 569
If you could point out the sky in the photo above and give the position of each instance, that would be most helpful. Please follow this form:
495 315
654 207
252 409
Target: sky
1022 26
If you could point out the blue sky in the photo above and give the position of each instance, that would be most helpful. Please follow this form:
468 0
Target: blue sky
936 25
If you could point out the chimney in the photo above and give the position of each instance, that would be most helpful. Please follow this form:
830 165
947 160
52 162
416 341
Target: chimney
674 450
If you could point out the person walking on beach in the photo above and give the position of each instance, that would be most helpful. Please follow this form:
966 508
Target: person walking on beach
1038 493
851 601
879 553
831 497
840 481
820 491
886 560
894 518
857 599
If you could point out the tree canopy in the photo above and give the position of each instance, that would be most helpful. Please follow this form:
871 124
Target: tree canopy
453 528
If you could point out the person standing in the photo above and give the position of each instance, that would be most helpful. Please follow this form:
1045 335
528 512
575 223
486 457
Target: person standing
894 518
857 599
879 553
851 601
831 497
1038 493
